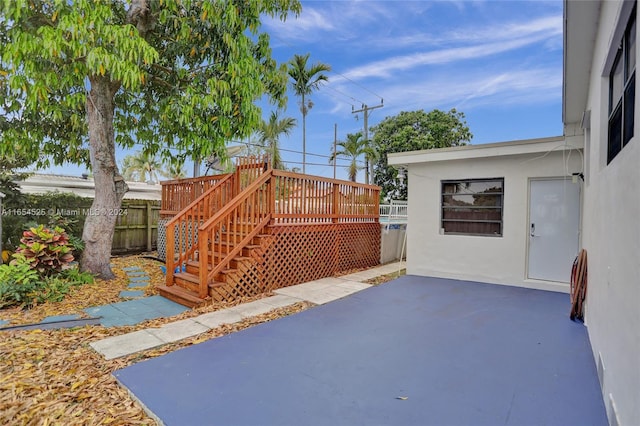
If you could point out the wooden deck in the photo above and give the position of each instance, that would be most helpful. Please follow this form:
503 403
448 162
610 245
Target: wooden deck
259 229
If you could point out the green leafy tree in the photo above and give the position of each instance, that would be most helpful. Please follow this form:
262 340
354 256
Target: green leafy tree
352 148
78 77
411 131
305 79
269 136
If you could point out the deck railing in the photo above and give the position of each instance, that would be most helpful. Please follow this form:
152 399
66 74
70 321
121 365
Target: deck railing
178 194
183 229
394 212
224 236
312 199
214 228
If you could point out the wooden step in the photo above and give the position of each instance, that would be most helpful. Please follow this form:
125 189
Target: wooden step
188 281
228 246
181 295
256 239
193 267
245 252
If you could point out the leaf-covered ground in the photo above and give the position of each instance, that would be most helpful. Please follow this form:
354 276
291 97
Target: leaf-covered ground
53 377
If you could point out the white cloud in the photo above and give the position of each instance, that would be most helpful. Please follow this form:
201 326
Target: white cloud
464 90
343 20
386 67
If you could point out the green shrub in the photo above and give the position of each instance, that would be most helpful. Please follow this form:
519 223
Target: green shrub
53 289
45 250
18 285
75 277
22 286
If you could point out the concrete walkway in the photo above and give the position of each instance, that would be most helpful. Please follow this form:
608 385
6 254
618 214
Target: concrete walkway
318 292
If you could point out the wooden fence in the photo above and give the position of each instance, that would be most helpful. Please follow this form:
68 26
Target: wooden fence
137 227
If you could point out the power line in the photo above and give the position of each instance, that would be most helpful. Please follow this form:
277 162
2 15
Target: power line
359 85
300 152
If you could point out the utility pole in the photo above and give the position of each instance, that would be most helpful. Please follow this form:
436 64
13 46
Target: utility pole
335 141
365 108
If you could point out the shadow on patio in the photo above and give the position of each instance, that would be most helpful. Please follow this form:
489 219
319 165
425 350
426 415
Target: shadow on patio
415 351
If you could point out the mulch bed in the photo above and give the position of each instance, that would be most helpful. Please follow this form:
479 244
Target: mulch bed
53 377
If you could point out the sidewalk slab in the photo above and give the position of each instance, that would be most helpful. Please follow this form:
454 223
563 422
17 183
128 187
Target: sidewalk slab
117 346
326 295
251 309
178 330
217 318
353 285
280 300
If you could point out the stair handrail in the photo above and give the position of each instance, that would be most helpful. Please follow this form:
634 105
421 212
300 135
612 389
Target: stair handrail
214 227
200 203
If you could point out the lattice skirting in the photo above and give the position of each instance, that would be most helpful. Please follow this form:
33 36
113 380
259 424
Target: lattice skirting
189 234
291 255
162 238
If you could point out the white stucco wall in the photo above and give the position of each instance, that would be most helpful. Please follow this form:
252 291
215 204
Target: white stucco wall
611 236
501 260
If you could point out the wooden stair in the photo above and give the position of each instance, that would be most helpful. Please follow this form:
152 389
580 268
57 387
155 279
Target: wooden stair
186 283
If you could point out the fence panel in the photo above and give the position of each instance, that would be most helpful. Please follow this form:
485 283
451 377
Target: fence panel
136 227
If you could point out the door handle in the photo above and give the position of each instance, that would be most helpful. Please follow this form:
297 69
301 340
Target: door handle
533 230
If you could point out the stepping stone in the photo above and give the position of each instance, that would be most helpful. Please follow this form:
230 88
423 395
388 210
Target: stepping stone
140 284
57 318
131 294
136 274
140 278
3 322
132 268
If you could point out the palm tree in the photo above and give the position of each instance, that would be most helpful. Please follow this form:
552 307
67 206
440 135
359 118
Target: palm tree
352 148
305 81
269 135
176 170
142 167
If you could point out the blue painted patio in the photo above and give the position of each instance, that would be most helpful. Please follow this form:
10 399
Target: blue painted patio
415 351
135 311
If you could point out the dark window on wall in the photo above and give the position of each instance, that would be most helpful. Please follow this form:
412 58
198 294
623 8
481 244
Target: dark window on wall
472 206
622 91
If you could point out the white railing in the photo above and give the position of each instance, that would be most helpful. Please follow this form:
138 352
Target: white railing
394 212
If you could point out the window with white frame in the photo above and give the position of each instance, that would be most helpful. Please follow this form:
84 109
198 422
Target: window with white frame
622 91
472 206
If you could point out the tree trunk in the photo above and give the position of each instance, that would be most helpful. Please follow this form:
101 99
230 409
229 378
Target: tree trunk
110 186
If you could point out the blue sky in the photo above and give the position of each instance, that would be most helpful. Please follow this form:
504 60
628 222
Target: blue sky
499 62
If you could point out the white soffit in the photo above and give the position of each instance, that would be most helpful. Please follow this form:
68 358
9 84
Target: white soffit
579 36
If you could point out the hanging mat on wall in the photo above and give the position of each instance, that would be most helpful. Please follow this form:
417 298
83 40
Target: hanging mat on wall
578 286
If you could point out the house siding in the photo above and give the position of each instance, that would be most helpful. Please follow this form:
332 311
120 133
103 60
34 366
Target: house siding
611 236
501 260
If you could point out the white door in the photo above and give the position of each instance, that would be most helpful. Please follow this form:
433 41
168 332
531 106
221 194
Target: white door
554 228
